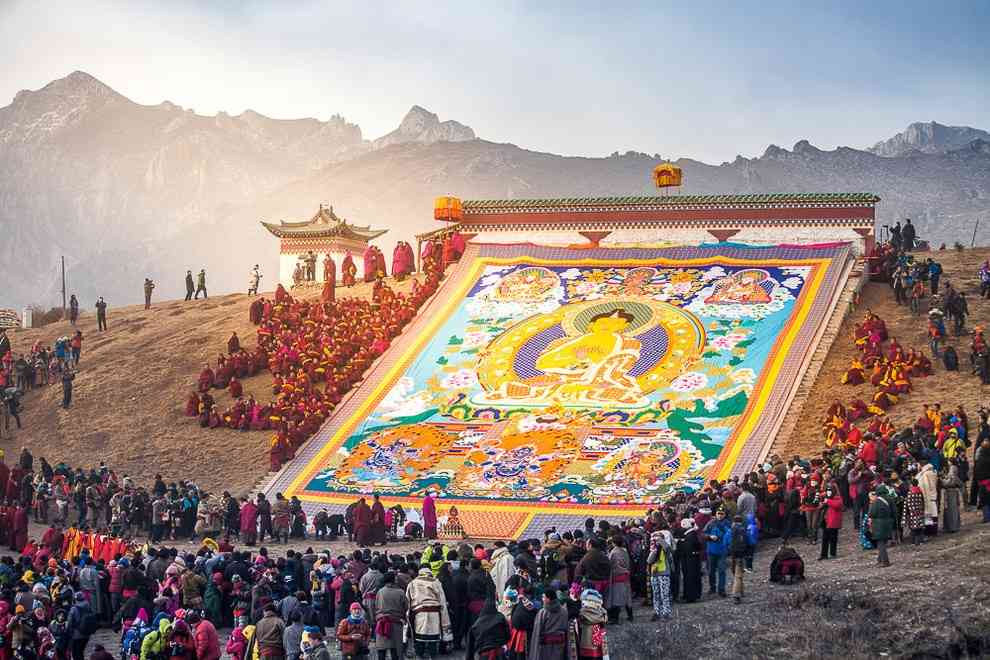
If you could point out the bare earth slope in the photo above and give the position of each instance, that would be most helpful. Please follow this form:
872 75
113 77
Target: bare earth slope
129 397
950 388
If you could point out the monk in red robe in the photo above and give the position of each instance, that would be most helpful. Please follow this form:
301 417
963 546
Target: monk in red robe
19 529
329 294
362 523
4 474
400 267
281 295
854 374
378 530
233 344
348 271
192 405
206 378
370 264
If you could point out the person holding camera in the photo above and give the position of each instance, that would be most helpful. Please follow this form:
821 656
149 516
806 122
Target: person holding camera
833 507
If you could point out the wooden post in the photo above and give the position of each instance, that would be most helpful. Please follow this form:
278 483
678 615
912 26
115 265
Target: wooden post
63 287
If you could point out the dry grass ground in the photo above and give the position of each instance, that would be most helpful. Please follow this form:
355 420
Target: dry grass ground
950 388
130 394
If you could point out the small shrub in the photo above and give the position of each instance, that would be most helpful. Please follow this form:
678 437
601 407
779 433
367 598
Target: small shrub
41 318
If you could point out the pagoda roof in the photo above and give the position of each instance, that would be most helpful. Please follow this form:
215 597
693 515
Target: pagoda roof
646 202
325 223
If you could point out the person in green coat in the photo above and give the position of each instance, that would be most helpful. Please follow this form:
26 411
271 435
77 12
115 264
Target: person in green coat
212 600
881 517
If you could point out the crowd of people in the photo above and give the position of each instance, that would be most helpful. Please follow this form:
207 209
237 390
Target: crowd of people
548 598
42 366
316 351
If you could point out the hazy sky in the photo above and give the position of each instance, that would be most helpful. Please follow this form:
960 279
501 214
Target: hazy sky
703 79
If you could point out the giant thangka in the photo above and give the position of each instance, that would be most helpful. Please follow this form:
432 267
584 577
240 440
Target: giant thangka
549 382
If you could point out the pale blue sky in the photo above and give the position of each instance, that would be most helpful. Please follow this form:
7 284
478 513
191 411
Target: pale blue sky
705 79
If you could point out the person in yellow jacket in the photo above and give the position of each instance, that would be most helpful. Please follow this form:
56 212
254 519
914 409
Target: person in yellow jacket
155 643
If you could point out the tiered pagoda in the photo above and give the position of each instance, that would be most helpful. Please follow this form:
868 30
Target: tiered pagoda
324 233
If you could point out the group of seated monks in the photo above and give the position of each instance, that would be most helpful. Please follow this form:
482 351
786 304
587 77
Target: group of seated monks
317 351
888 370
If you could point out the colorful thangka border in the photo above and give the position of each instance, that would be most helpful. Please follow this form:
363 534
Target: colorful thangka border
542 384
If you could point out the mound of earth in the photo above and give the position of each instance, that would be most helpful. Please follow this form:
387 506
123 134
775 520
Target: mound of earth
129 397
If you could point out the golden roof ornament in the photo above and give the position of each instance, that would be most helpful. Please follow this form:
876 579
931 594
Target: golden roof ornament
667 175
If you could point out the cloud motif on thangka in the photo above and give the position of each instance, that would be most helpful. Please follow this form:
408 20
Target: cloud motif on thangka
403 401
779 298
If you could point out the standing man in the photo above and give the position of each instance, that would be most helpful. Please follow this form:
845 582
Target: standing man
201 284
934 273
68 375
907 235
101 314
149 286
268 634
254 281
82 624
189 285
73 309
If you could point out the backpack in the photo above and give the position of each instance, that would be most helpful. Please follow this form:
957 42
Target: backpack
130 646
739 545
88 623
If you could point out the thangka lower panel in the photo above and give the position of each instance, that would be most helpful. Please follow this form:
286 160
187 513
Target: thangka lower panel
574 382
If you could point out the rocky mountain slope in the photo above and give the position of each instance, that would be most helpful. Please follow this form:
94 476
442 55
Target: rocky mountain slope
127 191
930 138
421 125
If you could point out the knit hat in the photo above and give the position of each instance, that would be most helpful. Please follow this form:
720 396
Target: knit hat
425 572
590 597
356 607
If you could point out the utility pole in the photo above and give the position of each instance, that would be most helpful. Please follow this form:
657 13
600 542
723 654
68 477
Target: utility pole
977 226
63 286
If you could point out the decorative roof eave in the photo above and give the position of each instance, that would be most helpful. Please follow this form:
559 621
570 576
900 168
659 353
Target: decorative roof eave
592 224
671 202
310 231
443 231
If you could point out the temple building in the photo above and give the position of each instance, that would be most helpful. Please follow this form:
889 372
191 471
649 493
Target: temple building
325 233
763 219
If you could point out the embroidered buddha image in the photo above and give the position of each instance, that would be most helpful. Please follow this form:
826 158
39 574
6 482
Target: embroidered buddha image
749 286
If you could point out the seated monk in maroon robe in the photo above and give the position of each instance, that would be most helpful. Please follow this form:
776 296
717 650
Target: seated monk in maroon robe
236 390
192 405
206 379
857 410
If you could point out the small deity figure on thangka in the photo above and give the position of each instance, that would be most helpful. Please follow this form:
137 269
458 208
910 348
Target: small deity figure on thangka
748 286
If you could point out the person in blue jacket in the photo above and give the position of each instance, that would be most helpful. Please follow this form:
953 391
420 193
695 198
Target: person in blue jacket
718 534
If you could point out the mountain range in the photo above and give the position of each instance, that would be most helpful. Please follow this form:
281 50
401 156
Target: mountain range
126 191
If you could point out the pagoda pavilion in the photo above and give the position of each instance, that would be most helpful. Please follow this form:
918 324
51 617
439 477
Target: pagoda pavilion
324 233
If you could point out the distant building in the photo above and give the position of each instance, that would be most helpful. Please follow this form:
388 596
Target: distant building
9 319
322 234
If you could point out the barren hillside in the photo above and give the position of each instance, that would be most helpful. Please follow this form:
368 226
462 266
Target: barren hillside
129 396
950 388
